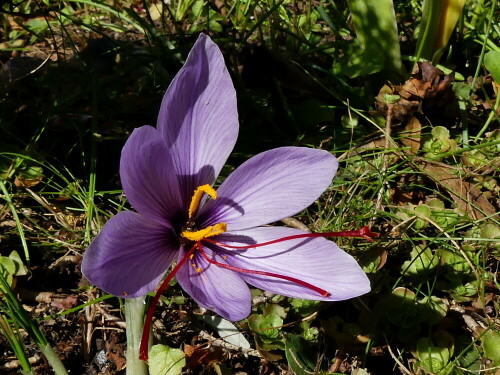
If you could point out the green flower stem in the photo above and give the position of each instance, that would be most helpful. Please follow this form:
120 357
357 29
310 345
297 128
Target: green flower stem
134 316
53 359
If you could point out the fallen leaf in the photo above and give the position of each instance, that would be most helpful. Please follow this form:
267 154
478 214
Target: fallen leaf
196 355
427 89
21 182
466 196
64 302
411 135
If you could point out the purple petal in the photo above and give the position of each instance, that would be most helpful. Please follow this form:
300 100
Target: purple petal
270 186
215 288
317 261
130 255
147 178
198 116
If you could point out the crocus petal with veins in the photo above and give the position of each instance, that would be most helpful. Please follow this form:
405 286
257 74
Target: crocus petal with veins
214 288
146 174
271 186
130 255
198 117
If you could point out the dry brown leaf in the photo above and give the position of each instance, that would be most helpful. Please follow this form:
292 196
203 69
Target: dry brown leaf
22 182
411 134
64 302
428 89
466 196
196 355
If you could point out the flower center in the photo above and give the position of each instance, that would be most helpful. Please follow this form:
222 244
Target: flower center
189 231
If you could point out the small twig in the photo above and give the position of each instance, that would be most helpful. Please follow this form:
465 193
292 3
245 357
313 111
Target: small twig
34 70
88 330
387 134
294 223
262 298
224 344
396 359
476 328
67 258
41 200
111 318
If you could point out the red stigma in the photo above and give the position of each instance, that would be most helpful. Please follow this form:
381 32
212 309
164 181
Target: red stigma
143 350
320 291
364 232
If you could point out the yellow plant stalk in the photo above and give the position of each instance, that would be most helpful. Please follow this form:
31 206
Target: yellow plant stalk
449 15
439 18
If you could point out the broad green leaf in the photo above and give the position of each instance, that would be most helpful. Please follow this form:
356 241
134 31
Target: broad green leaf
424 211
434 308
164 360
21 269
434 353
7 265
274 308
422 260
455 260
491 346
8 269
377 36
492 63
264 326
303 307
300 357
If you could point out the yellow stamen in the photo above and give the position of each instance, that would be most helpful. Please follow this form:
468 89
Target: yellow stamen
210 231
198 269
198 193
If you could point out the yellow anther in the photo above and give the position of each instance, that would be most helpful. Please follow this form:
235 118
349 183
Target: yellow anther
198 193
210 231
198 269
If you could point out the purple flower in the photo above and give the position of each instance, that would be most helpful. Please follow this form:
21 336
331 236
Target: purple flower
167 173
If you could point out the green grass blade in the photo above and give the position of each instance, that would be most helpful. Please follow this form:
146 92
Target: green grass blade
15 216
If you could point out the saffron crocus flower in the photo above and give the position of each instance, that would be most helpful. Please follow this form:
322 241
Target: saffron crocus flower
216 237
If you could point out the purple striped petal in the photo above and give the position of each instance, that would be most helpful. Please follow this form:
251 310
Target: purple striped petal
130 255
215 288
270 186
198 117
317 261
146 175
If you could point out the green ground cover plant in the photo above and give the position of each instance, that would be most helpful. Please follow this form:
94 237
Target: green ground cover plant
403 94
